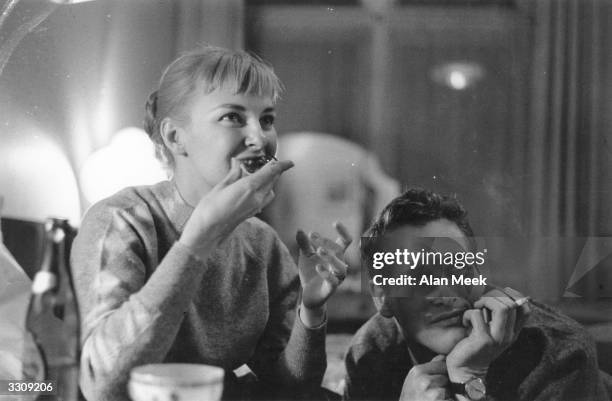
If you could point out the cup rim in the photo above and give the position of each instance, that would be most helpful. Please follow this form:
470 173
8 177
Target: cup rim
182 374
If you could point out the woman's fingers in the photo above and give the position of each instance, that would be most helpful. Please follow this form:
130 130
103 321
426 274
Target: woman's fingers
232 176
323 242
337 267
345 238
327 275
304 244
268 197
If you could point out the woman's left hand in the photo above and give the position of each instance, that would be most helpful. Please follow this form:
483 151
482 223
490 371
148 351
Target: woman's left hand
321 265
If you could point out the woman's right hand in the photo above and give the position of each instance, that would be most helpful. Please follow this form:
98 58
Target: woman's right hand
229 203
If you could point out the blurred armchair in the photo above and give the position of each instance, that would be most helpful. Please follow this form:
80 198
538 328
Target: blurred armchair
333 180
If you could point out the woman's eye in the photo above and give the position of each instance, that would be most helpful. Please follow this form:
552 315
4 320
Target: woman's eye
267 122
234 118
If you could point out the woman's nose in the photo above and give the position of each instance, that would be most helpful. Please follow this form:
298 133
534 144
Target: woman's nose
255 137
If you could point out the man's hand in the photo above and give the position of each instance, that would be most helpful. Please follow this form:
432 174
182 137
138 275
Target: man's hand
427 382
472 356
321 269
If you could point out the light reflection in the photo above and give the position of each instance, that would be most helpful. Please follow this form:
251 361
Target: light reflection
128 160
36 179
458 75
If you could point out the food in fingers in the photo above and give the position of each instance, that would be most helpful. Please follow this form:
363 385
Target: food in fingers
266 177
251 165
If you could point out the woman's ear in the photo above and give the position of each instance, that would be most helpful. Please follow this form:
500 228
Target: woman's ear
173 136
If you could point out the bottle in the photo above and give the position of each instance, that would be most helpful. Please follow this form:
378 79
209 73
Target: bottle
52 350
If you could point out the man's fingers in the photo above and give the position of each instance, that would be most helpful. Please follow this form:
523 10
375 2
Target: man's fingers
435 367
304 244
522 311
438 381
345 238
503 315
514 294
473 318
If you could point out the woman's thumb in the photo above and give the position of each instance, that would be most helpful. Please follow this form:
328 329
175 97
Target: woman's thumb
233 174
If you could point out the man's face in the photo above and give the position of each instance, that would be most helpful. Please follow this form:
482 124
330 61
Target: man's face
431 315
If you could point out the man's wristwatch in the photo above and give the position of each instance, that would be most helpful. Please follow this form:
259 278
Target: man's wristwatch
474 389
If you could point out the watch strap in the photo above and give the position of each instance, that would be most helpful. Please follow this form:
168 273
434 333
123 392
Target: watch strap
477 392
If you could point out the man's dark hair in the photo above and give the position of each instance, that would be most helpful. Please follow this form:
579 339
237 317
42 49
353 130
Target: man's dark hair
417 207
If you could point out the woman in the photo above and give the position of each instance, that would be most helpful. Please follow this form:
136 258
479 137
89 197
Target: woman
181 271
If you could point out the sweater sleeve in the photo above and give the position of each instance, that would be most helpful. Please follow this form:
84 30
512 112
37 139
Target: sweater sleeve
289 354
554 358
362 381
572 374
130 313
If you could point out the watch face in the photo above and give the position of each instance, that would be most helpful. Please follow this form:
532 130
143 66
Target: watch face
476 389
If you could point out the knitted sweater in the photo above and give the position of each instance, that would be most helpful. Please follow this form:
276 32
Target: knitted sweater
552 359
145 298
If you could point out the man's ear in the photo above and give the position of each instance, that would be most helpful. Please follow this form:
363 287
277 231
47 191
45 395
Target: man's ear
173 136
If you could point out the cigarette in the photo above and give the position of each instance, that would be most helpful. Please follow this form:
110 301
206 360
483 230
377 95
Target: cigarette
522 301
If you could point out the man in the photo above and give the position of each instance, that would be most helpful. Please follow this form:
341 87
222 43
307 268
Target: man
458 342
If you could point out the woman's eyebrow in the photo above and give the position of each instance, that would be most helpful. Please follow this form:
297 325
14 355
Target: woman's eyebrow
236 107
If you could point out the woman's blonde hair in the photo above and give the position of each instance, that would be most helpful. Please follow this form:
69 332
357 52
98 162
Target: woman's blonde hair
204 70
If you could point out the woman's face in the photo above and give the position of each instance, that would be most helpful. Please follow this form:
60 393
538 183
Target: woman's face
223 126
432 316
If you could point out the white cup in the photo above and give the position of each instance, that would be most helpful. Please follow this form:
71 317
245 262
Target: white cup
176 382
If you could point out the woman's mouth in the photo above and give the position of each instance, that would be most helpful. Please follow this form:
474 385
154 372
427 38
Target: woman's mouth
253 164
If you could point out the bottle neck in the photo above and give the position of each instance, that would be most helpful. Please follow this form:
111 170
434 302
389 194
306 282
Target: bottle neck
54 258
